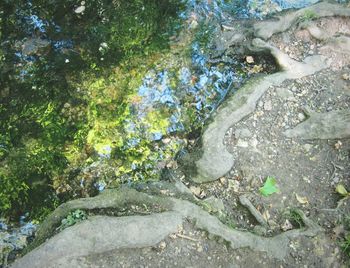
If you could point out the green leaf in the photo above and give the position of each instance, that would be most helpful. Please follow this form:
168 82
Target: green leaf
269 187
340 189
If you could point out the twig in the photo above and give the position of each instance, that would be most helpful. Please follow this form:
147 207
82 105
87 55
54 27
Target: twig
187 237
335 166
333 173
257 215
339 204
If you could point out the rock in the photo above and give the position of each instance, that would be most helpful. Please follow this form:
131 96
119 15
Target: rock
317 33
249 59
243 133
294 89
307 147
335 180
35 46
242 143
162 245
286 226
234 185
346 77
301 116
215 204
268 105
338 145
80 9
196 190
223 180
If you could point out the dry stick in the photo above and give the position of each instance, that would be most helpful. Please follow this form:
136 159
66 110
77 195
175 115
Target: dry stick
187 237
335 166
339 204
257 215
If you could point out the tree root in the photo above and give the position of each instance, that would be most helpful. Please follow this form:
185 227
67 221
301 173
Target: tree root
266 29
329 125
256 214
215 161
119 199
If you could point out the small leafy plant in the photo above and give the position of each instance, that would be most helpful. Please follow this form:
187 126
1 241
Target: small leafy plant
295 218
345 245
308 16
269 187
73 218
340 189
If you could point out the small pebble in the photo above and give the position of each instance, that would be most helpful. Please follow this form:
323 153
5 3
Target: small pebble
268 105
162 245
249 59
242 143
301 116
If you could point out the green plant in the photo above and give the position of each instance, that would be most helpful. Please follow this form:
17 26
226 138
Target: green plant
308 15
345 245
45 116
13 191
344 240
340 189
269 187
295 218
73 218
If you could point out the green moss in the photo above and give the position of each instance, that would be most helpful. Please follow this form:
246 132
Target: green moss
63 107
307 16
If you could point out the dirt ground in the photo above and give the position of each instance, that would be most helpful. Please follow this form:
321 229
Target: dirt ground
307 171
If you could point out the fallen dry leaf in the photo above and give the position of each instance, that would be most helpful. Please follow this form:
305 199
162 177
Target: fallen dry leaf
301 200
266 215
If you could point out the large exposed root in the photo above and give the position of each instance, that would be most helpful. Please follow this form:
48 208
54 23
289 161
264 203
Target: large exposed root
330 125
266 29
215 161
174 212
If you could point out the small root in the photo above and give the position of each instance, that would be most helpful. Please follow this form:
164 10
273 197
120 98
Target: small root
256 214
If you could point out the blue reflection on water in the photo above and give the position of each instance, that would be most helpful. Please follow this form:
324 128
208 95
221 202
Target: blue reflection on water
100 185
204 83
287 4
62 44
